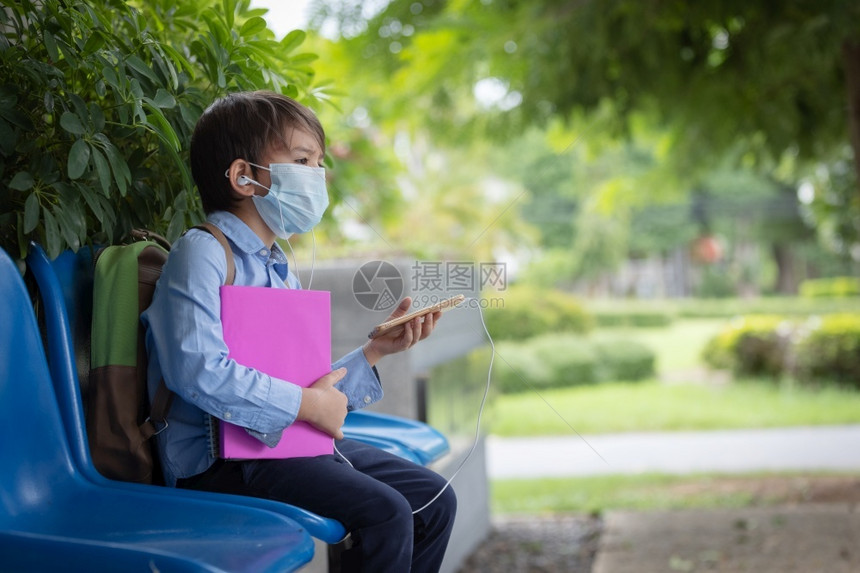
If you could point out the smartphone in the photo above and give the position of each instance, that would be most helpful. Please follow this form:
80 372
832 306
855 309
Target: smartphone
440 306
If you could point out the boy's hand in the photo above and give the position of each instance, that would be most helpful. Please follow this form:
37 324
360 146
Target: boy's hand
324 406
402 338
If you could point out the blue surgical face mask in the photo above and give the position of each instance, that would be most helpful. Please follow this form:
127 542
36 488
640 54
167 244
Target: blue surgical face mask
296 200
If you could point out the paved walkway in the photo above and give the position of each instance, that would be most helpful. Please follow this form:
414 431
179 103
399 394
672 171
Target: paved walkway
832 448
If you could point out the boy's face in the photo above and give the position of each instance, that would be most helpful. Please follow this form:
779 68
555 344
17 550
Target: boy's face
297 147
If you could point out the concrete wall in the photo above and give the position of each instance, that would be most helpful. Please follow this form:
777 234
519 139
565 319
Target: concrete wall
458 333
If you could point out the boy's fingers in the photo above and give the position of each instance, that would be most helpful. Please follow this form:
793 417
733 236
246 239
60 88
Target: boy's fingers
402 308
330 379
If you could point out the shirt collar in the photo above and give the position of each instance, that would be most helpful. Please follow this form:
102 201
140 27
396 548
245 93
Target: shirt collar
248 242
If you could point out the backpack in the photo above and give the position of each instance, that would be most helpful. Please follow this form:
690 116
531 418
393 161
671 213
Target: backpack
119 417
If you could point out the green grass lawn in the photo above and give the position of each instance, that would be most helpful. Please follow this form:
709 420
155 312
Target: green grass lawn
678 346
707 403
658 492
656 406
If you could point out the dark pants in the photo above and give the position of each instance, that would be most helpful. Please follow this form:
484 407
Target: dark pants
373 498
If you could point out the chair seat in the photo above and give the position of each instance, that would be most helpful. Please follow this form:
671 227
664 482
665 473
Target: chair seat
123 531
424 443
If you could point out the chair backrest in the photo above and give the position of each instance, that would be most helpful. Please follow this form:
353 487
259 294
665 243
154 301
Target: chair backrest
34 453
74 273
65 289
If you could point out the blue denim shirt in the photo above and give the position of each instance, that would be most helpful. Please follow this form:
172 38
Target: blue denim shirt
186 346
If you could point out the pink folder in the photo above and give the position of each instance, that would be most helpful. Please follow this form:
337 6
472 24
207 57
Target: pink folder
285 333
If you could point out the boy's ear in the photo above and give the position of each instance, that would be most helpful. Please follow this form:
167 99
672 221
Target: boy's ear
239 173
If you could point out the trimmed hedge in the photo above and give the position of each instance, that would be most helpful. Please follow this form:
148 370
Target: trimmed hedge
562 360
625 360
530 311
830 351
831 287
818 350
749 346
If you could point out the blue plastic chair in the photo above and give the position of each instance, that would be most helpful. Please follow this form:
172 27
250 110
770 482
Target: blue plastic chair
410 439
54 518
63 283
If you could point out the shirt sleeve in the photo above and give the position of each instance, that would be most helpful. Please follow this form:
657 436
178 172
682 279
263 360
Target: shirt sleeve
361 384
185 329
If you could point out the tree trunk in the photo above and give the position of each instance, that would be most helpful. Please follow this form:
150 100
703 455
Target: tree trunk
786 277
851 65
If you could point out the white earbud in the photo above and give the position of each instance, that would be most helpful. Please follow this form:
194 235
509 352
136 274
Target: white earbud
243 180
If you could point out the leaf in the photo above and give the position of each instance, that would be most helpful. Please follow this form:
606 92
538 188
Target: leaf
302 59
140 67
51 46
52 236
69 225
178 60
292 41
32 211
72 123
94 42
48 100
97 116
8 138
121 173
80 107
93 201
111 77
102 170
159 125
177 225
79 158
22 181
229 7
164 99
253 26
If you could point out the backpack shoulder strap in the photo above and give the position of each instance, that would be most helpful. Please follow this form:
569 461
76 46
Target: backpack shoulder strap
228 252
163 396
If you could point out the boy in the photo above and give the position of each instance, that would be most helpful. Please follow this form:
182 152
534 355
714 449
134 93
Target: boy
256 159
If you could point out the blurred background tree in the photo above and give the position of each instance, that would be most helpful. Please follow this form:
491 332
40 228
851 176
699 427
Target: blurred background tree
638 113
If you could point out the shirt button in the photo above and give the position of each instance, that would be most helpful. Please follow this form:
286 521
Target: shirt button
367 399
227 415
264 252
265 435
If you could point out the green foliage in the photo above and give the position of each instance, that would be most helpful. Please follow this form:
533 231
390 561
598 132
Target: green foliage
781 305
718 68
98 101
621 359
726 100
830 287
749 346
818 350
529 311
562 360
830 351
543 362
